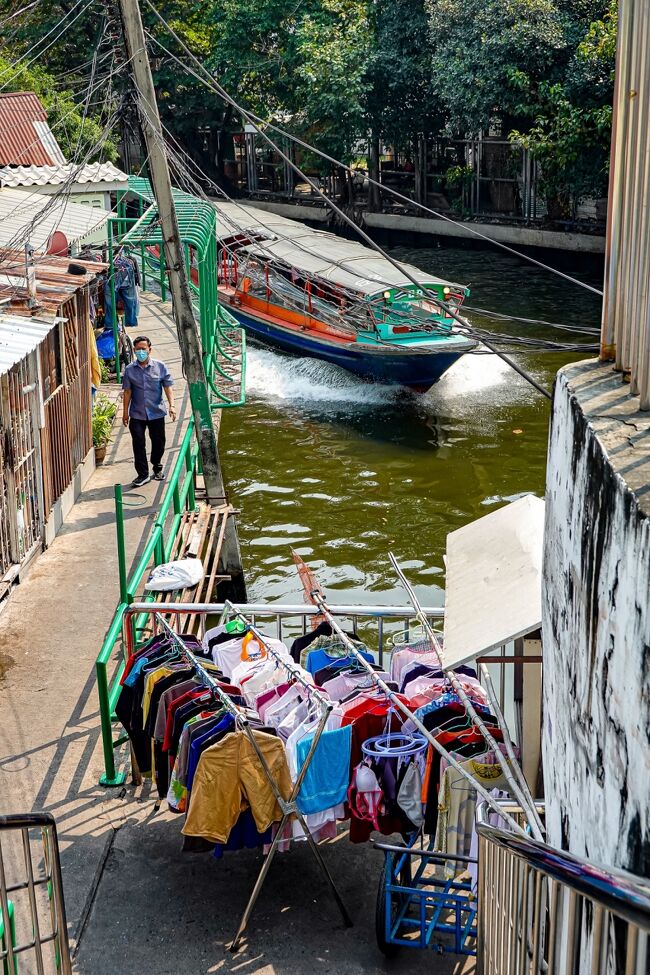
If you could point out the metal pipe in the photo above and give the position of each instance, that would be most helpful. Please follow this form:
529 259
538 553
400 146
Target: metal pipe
111 272
121 543
522 795
630 53
616 184
294 609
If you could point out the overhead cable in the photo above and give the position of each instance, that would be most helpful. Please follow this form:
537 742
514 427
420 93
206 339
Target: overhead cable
256 121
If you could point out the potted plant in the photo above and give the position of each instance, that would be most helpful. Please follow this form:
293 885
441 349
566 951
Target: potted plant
103 415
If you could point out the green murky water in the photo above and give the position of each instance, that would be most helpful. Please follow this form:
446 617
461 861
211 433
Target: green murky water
343 471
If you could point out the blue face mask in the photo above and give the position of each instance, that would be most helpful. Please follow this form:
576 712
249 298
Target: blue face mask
141 355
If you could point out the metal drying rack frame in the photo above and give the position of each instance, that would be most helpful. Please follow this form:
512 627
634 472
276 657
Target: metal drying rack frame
406 711
288 806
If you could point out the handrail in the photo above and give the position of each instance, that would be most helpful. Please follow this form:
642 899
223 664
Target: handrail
616 890
299 609
179 492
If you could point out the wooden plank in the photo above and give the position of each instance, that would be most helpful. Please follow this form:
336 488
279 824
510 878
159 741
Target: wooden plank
207 558
197 534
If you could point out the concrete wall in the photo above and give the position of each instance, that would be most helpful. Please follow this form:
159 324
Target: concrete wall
519 236
596 620
408 223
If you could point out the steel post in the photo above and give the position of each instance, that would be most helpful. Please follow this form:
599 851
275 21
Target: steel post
111 274
121 545
110 777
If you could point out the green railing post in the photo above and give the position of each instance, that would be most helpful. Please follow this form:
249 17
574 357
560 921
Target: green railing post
110 776
121 545
163 283
159 549
143 263
121 212
189 464
111 271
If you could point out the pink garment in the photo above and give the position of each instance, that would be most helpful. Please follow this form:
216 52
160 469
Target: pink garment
432 687
267 698
401 659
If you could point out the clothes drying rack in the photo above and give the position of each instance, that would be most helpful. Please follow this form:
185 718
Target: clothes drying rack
289 806
396 701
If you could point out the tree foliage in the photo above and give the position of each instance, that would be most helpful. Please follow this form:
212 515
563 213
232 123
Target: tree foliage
335 71
570 134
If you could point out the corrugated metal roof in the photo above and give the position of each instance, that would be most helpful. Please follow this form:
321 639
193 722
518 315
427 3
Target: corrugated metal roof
25 137
31 216
19 337
54 283
98 172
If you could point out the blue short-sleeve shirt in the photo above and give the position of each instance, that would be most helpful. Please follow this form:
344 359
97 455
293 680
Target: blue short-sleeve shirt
146 384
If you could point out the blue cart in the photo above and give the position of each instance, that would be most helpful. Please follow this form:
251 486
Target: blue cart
418 908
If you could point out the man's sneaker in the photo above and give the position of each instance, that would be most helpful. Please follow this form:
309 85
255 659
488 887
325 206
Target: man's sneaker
141 481
159 475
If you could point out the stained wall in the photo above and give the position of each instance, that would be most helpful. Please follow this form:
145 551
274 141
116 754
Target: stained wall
596 620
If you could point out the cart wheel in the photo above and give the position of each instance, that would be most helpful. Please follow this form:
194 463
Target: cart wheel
387 948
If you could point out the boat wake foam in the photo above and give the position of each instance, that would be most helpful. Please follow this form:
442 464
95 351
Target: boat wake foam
270 375
273 376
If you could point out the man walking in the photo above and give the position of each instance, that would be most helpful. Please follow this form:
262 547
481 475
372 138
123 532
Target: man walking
144 382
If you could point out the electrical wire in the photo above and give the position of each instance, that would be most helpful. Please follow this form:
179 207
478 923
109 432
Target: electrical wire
256 121
479 334
19 70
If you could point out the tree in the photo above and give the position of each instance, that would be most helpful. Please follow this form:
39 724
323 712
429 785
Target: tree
570 136
402 103
489 57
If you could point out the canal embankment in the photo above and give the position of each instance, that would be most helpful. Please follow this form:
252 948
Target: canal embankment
453 230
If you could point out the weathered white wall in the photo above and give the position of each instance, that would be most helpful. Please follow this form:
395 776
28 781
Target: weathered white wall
596 621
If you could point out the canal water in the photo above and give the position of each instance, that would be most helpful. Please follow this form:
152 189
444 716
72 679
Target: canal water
344 472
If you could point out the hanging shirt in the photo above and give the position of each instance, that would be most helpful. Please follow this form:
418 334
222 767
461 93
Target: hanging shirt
146 383
127 275
318 659
457 805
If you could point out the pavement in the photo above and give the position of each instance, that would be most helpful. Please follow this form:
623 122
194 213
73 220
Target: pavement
135 903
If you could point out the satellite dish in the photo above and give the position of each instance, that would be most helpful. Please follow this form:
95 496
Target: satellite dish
58 244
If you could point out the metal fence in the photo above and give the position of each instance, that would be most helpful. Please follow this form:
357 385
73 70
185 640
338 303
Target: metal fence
33 926
543 910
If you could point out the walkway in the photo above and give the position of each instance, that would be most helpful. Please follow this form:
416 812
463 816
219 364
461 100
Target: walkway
139 904
50 634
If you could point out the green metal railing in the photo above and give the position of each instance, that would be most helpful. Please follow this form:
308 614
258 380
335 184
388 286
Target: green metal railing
178 498
223 341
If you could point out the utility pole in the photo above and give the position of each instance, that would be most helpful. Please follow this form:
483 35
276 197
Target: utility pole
186 327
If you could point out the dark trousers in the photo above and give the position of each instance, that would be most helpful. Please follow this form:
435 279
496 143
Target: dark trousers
157 434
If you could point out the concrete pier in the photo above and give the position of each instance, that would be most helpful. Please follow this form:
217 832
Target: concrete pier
596 620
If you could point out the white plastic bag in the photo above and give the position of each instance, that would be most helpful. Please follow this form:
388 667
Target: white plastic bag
181 574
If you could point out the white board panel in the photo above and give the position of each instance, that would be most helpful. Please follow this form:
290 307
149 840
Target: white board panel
493 592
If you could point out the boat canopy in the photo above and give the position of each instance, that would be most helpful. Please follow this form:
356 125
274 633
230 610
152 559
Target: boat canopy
317 253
